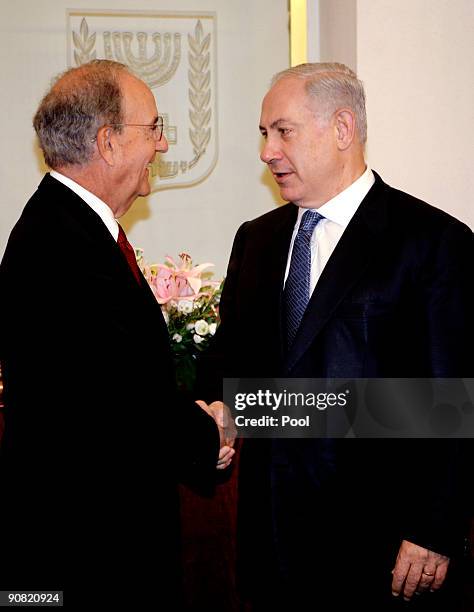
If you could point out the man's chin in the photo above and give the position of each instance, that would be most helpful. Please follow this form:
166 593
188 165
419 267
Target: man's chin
288 194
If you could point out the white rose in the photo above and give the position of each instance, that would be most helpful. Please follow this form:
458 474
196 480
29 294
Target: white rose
190 326
185 306
177 337
201 327
198 339
212 328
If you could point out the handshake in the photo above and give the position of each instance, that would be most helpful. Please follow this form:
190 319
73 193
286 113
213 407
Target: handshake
227 431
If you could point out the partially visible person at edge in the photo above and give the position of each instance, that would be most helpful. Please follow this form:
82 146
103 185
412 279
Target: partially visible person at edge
96 436
354 279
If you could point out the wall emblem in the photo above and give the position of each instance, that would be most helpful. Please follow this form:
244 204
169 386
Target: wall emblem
175 54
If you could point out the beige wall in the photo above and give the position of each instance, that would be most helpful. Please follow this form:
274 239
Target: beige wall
338 31
252 39
416 58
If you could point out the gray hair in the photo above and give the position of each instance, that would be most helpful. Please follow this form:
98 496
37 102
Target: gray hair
80 101
334 86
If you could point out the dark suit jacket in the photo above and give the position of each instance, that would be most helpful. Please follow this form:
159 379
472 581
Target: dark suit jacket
96 436
394 300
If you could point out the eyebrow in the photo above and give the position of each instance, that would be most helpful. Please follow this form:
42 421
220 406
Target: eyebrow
274 124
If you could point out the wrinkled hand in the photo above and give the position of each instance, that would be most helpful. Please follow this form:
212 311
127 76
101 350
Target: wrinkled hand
227 432
225 457
417 569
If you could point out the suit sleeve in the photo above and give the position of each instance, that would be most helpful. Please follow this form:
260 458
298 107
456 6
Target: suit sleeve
196 442
449 301
439 509
218 360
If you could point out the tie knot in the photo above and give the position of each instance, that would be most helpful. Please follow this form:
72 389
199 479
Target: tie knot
121 235
129 254
122 239
309 220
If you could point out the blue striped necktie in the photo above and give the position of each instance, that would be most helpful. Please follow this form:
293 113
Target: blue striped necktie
297 287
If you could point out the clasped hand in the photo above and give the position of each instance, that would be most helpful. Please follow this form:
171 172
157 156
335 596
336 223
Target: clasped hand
227 431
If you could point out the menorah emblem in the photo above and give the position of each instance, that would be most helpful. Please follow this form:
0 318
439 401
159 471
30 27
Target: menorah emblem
174 53
155 70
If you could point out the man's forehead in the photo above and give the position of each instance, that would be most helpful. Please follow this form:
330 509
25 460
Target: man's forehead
287 87
284 100
131 86
137 95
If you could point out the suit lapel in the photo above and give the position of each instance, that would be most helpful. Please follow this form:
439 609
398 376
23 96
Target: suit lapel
277 258
151 299
345 267
95 231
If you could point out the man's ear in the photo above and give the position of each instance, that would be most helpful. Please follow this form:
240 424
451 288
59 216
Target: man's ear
107 144
345 128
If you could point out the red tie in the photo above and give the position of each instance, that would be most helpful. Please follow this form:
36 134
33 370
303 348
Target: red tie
129 253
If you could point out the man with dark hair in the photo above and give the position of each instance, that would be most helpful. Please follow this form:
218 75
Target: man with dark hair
356 280
96 436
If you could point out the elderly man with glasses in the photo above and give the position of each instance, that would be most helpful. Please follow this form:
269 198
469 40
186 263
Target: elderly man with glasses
96 436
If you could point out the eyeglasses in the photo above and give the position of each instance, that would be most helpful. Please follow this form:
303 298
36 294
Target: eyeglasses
156 128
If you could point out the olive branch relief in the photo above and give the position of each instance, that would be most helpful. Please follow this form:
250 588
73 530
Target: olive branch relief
199 92
83 44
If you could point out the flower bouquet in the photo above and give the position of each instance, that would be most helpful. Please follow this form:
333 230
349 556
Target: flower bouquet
189 300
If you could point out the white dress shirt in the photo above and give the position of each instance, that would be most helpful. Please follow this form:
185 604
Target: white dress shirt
97 205
337 213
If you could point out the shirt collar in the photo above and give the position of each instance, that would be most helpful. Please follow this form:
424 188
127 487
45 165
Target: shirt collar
97 205
343 206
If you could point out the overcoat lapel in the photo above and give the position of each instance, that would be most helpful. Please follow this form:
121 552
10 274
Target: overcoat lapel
347 264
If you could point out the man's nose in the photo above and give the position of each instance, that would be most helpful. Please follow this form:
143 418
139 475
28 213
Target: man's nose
161 145
269 152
